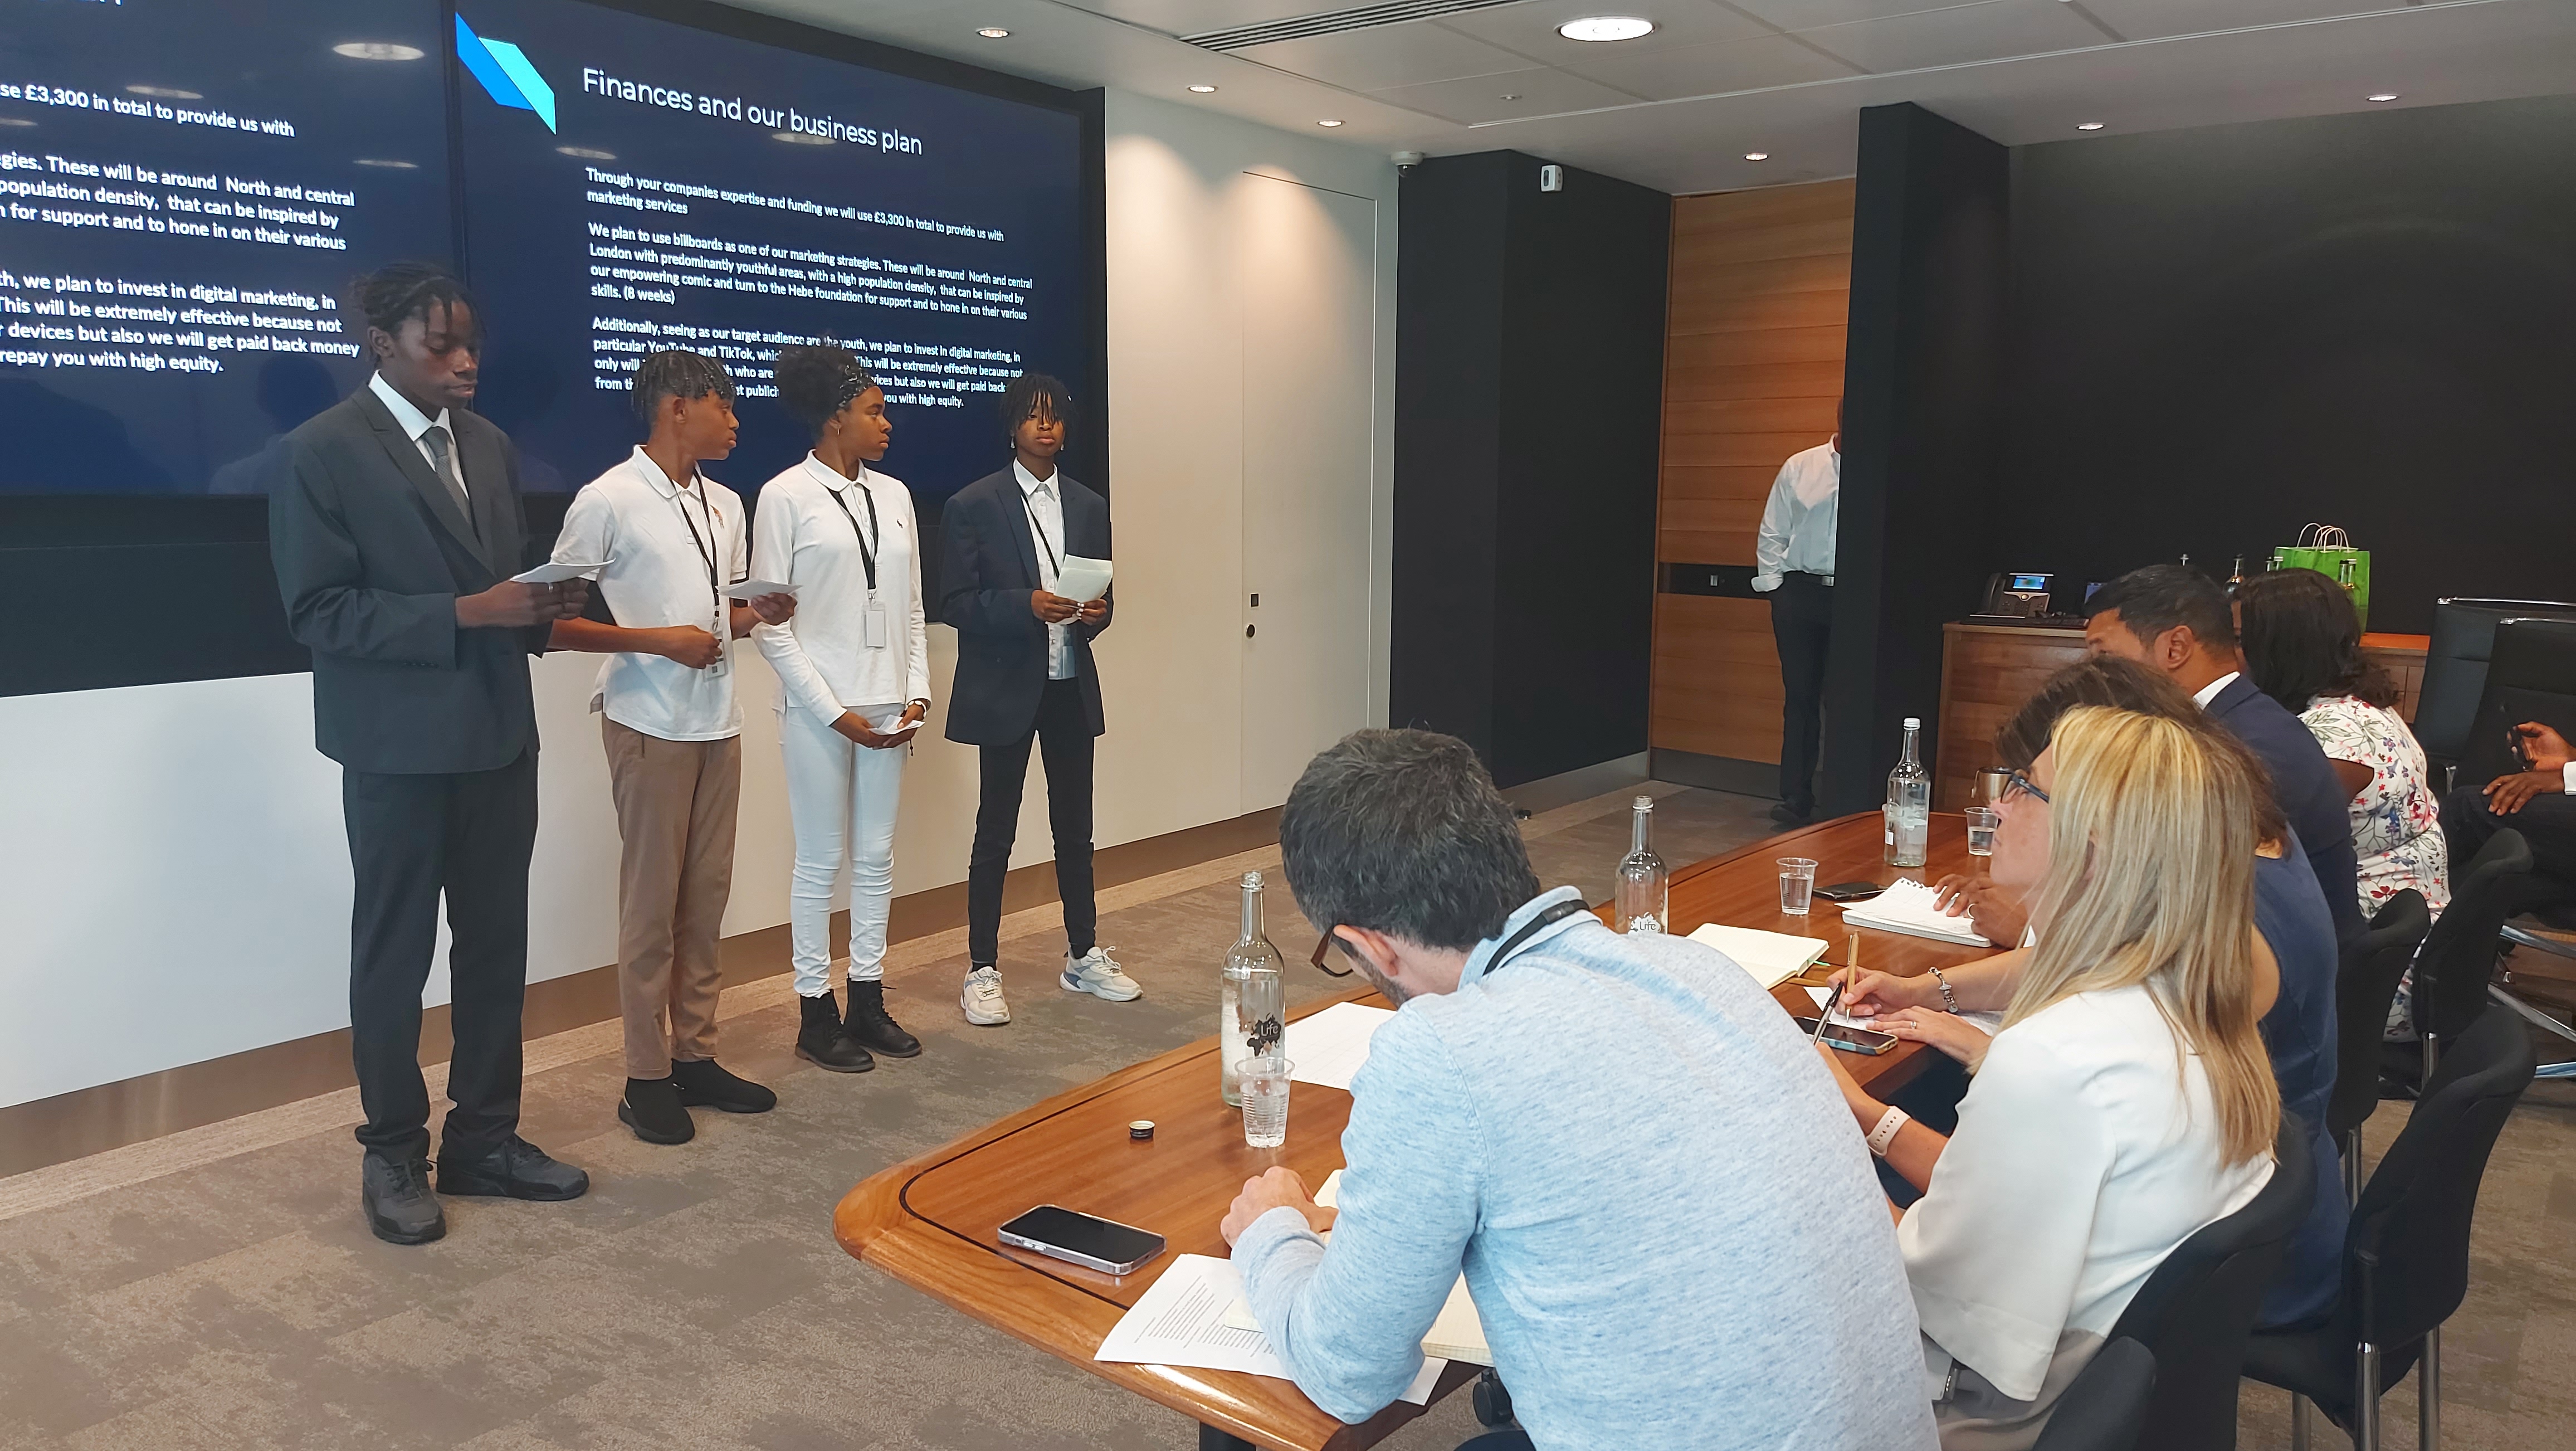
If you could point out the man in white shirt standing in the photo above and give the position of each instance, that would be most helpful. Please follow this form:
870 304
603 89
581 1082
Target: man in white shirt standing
675 542
1793 563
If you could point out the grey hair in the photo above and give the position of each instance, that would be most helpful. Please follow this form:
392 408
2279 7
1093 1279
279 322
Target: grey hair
1402 832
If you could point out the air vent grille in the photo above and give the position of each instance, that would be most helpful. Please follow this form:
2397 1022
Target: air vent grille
1334 22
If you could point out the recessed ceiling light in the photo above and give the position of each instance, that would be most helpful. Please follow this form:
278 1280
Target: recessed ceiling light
588 153
1202 90
994 32
377 50
1757 156
166 93
1607 27
2088 125
2382 96
1511 95
388 163
1328 123
800 138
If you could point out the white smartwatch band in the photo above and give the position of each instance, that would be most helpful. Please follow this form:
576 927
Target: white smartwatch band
1885 1134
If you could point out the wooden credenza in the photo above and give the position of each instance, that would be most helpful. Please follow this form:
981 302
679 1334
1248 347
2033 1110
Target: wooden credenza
1987 671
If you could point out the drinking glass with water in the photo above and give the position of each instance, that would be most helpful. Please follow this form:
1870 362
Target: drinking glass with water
1982 821
1264 1083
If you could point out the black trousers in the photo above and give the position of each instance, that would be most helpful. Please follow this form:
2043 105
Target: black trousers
2548 822
1064 741
412 838
1802 626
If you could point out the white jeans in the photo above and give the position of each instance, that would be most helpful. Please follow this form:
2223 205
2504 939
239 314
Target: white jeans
842 798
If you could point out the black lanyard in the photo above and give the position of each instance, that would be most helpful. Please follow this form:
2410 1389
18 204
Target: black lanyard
1053 564
1530 929
867 552
705 547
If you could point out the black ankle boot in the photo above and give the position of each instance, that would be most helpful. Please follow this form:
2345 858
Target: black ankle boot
870 1026
652 1109
819 1039
709 1084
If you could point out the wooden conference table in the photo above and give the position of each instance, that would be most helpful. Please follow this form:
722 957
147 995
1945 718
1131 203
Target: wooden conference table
930 1222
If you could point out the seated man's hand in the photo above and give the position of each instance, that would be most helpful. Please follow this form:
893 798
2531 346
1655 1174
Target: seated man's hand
2546 749
1996 912
1276 1188
2508 794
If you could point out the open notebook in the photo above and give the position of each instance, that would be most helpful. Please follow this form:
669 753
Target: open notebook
1907 906
1772 957
1456 1334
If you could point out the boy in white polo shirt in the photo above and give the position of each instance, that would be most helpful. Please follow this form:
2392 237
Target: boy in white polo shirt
675 543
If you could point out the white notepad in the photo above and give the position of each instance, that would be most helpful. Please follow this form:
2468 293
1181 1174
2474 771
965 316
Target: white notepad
1772 957
1455 1334
1907 907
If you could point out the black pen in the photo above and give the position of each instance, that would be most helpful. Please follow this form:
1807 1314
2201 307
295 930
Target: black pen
1835 996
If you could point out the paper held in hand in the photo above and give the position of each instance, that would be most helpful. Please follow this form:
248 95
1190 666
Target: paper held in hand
1082 580
1456 1333
554 572
752 589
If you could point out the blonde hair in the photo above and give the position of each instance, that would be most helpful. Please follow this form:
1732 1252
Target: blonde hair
2151 880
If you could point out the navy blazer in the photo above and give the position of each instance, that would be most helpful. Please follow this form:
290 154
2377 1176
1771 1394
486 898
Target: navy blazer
989 568
371 555
2306 788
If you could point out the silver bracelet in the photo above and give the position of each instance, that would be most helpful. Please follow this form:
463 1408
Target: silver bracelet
1949 1000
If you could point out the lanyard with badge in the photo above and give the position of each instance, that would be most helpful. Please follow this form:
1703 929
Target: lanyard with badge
723 627
1055 566
873 618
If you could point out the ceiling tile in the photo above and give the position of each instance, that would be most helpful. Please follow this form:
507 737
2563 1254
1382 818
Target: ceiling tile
1530 28
1385 56
1805 14
2143 19
1541 92
1194 17
1706 70
1990 31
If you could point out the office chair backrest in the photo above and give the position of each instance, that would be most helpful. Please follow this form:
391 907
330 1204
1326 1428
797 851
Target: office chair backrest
2414 1214
2195 1312
2455 669
2364 987
2103 1407
2531 675
2460 952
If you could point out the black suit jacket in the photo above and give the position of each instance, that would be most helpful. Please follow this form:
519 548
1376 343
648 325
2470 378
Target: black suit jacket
989 569
2305 786
371 555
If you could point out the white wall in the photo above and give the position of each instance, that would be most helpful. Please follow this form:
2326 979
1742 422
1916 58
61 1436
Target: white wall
174 882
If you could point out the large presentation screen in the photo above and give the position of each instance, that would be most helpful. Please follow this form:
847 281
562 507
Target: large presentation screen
183 197
632 184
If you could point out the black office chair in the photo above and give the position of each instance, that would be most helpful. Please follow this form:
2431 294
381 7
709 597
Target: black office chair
2455 672
2406 1255
2459 956
2364 987
2104 1406
2195 1312
2531 676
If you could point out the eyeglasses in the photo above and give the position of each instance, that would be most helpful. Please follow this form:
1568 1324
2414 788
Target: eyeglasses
1325 961
2018 784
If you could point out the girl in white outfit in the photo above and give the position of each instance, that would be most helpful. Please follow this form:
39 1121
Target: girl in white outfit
854 682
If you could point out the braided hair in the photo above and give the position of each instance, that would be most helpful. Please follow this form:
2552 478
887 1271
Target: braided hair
816 383
677 373
395 294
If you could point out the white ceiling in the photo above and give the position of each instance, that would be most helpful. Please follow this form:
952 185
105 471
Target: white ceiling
1677 109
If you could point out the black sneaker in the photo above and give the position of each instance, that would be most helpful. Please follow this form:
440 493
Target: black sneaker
652 1109
704 1084
820 1041
516 1170
400 1207
870 1027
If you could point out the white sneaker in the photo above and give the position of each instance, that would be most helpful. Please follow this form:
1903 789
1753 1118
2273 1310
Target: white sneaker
982 998
1096 973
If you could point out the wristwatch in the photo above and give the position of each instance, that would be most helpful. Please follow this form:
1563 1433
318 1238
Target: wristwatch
1885 1134
1949 999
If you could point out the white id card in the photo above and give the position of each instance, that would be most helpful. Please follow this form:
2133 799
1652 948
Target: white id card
723 632
873 621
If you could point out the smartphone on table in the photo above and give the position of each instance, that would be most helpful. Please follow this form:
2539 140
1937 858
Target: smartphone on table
1850 891
1082 1239
1851 1040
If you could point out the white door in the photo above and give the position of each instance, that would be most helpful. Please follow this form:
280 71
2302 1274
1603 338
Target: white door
1309 345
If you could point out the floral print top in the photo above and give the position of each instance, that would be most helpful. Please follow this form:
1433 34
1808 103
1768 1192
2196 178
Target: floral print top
2396 820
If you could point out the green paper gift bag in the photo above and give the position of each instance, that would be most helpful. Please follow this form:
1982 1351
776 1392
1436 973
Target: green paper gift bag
2328 550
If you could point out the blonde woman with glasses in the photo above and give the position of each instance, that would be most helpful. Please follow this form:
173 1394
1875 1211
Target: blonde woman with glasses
2127 1100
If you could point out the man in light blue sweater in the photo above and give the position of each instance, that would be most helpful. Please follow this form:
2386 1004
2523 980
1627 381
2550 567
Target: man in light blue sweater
1647 1176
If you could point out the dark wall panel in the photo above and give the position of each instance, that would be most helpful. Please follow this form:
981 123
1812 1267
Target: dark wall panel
2223 333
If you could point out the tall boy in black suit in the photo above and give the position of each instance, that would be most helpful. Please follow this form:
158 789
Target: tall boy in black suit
1024 673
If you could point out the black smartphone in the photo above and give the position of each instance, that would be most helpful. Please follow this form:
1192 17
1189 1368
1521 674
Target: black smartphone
1851 1040
1850 891
1082 1239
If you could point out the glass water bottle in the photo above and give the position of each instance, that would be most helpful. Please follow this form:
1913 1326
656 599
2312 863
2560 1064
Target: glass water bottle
1251 1001
1643 883
1909 803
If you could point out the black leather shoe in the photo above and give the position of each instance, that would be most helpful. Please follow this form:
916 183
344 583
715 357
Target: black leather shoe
871 1027
1788 815
705 1084
652 1109
400 1208
516 1170
819 1039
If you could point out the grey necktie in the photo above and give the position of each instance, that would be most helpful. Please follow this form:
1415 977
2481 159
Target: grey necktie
445 467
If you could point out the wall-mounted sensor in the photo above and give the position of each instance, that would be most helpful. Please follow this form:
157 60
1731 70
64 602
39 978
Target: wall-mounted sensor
1551 178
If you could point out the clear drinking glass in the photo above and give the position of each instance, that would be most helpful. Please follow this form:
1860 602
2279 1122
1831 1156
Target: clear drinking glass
1982 821
1797 885
1264 1082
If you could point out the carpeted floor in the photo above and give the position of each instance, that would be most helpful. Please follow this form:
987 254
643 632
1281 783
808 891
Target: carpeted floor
218 1289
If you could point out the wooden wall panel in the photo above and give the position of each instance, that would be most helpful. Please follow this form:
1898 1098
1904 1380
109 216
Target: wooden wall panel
1753 361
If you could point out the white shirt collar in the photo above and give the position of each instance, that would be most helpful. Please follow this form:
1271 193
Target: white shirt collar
830 477
661 481
1031 483
2207 693
414 422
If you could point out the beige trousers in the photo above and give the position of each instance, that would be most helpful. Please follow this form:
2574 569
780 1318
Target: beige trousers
676 804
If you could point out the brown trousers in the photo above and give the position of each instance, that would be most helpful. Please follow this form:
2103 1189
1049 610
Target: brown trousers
676 804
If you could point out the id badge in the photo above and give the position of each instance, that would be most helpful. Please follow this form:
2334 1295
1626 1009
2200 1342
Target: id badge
723 632
873 621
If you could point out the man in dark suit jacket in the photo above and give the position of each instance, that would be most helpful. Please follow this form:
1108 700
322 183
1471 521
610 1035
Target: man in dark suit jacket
395 523
2175 619
1024 673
